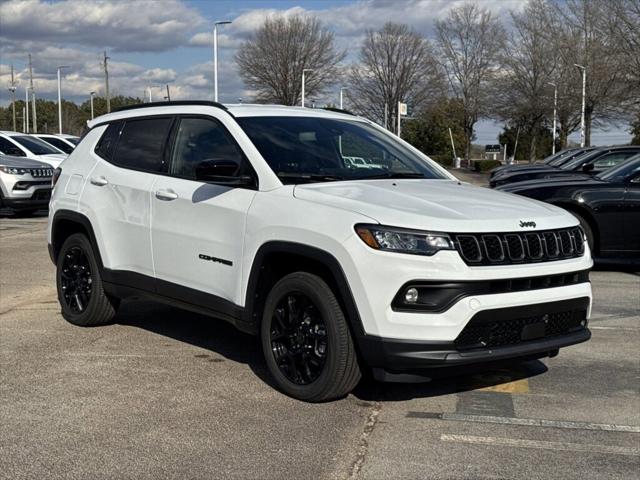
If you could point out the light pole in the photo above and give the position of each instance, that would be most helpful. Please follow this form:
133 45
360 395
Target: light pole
60 98
304 70
341 89
555 107
584 94
91 95
12 89
26 102
215 57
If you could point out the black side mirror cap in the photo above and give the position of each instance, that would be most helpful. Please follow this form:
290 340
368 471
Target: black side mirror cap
589 167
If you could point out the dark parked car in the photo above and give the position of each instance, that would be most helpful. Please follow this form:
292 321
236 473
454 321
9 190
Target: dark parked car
555 160
607 205
592 162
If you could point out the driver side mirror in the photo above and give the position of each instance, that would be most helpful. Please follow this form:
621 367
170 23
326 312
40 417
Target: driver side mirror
223 172
588 168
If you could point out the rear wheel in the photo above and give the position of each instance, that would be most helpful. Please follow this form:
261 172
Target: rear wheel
80 290
306 340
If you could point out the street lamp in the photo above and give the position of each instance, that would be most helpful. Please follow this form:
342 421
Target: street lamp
12 89
584 94
555 107
26 102
341 89
303 72
91 95
215 57
60 99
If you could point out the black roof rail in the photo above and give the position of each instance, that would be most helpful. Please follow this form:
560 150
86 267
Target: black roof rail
338 110
204 103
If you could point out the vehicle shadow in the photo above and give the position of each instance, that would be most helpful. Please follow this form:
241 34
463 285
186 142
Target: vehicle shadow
221 338
8 213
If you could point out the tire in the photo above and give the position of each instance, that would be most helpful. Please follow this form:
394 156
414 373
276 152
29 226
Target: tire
298 310
588 232
77 272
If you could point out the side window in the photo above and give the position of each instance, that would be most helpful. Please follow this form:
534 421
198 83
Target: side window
611 160
202 140
107 142
141 144
9 148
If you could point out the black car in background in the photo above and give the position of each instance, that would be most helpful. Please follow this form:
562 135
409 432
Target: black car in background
554 160
607 206
592 162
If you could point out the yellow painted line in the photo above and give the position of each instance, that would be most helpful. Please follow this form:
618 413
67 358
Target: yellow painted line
516 386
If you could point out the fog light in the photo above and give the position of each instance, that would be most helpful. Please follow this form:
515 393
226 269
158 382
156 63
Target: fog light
411 295
584 322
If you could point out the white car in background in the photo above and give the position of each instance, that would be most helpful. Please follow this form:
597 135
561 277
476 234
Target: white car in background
63 142
22 145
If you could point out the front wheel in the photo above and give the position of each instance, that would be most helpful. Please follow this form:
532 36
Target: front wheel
306 340
80 290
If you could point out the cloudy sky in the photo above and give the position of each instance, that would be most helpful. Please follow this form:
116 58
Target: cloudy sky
155 42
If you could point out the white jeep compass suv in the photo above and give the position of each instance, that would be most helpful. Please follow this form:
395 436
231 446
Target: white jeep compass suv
252 214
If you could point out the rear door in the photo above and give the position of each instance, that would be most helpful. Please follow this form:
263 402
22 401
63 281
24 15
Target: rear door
198 227
632 215
130 154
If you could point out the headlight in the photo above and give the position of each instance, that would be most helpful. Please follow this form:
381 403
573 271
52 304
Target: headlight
14 170
399 240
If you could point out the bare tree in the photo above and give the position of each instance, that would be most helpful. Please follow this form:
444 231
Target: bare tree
470 40
530 64
582 39
396 65
272 61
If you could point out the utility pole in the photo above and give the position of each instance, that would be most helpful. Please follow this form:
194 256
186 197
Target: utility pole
24 119
26 104
386 116
60 99
215 57
584 94
555 107
91 94
168 94
341 89
106 81
33 97
12 89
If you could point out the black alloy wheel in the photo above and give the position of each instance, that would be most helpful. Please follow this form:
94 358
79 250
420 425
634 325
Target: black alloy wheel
298 338
76 281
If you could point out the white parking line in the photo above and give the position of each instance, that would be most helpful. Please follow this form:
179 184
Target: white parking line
529 422
541 444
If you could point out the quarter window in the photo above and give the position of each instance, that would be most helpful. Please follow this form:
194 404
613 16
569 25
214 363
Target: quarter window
141 144
201 140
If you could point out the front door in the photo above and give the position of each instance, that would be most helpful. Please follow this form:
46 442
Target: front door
198 227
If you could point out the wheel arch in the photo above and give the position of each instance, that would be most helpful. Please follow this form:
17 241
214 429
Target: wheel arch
589 218
64 224
275 259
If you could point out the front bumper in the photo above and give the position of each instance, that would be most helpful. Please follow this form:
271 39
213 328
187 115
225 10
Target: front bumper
32 198
528 331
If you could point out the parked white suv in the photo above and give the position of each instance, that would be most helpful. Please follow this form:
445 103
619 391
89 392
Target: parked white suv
22 145
251 214
25 184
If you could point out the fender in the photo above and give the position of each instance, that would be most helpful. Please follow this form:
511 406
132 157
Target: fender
316 254
75 217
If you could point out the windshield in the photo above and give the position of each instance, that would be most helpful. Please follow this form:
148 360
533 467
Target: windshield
59 144
35 145
622 171
309 149
579 160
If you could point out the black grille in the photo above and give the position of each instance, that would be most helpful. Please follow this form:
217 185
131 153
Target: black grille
483 334
41 172
520 247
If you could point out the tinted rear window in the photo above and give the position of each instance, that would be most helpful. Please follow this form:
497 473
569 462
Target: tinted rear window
141 144
107 143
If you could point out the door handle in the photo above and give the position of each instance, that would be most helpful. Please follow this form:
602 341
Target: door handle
166 195
99 181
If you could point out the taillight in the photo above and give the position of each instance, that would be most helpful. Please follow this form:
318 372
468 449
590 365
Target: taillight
56 176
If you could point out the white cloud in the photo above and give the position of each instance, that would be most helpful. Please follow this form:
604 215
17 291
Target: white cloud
132 26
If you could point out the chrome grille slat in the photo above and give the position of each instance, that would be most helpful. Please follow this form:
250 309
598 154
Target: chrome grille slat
520 247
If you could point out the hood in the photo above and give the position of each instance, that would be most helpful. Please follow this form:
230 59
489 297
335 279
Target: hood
557 181
21 162
439 205
53 159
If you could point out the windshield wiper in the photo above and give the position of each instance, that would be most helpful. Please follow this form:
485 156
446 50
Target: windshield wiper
310 176
393 175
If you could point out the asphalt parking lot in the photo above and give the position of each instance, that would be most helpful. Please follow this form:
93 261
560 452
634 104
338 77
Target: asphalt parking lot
164 393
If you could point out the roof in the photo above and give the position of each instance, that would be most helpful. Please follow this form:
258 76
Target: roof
10 133
235 110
